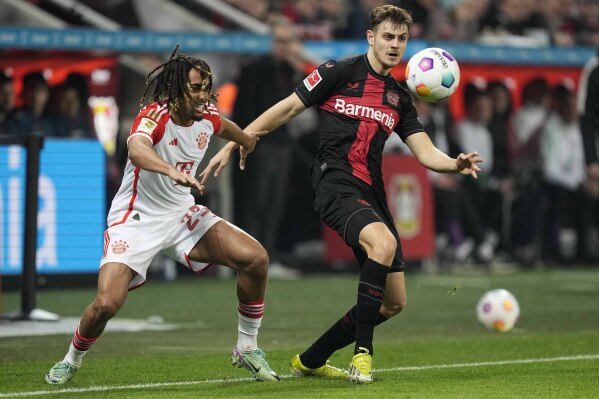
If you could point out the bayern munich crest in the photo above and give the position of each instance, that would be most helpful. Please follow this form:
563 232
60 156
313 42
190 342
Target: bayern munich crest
202 140
119 247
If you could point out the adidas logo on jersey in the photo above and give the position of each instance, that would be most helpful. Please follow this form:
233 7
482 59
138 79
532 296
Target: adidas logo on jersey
173 142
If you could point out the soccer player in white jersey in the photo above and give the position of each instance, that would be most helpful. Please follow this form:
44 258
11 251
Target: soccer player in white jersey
154 212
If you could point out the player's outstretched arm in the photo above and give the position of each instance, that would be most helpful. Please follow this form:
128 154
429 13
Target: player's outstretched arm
237 137
230 131
433 158
277 115
143 155
218 162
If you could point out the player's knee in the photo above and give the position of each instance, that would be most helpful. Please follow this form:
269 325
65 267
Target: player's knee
384 249
105 308
258 264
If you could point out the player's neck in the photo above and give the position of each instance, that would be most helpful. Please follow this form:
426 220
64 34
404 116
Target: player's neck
375 64
180 120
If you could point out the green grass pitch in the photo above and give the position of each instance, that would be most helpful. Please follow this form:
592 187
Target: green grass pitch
435 349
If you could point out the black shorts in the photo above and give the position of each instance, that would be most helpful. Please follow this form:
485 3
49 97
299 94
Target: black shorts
347 205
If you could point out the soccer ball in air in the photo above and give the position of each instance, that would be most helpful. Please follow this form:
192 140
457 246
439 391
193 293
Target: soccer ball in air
432 74
498 310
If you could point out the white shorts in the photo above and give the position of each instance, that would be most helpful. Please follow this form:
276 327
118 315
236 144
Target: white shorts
136 242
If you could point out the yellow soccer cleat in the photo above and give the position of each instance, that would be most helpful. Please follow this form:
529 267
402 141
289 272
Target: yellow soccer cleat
360 368
299 370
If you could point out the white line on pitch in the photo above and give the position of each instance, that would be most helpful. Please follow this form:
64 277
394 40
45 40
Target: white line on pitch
496 363
224 380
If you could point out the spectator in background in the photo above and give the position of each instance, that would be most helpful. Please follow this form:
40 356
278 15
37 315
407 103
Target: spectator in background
589 14
563 22
450 241
358 20
69 117
525 158
262 189
470 133
430 20
334 14
501 179
32 117
7 98
466 17
514 22
588 110
309 20
563 172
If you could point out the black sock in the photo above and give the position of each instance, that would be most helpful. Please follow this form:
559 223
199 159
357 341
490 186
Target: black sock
371 290
341 334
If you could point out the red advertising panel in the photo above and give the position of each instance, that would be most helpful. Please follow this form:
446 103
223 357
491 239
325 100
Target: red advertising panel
410 199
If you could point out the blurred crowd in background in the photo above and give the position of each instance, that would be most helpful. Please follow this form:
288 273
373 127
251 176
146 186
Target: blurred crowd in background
519 22
522 22
532 203
533 200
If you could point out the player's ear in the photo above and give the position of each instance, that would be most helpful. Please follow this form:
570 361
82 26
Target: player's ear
370 37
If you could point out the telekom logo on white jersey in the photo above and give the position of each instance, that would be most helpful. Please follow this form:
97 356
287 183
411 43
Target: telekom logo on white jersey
364 112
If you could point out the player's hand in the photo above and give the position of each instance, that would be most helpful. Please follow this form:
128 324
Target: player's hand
466 164
246 149
185 180
251 139
217 163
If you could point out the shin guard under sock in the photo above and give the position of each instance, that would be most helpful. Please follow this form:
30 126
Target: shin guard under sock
371 291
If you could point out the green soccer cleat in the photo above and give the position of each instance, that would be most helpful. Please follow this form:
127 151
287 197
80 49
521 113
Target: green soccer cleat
299 370
61 373
360 368
255 361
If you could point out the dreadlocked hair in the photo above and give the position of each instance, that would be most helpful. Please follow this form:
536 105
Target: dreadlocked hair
168 84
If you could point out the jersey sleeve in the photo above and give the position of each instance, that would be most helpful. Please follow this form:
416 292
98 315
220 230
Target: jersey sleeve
150 123
320 84
409 123
213 116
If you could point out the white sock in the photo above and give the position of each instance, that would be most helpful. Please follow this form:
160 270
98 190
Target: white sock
249 321
74 357
79 347
246 341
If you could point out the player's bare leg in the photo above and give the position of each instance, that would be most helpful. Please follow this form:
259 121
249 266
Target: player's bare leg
395 299
113 285
226 244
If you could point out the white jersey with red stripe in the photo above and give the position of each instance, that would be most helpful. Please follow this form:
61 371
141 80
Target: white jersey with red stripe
153 194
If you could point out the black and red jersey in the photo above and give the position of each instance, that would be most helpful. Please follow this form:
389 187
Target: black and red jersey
358 109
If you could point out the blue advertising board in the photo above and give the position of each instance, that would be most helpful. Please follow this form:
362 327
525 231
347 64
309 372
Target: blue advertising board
127 40
71 215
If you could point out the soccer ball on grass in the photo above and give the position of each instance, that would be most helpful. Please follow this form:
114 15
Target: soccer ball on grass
498 310
432 74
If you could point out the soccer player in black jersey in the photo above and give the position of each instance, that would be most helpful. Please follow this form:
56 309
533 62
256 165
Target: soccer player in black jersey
360 106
